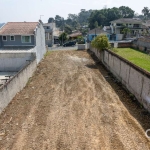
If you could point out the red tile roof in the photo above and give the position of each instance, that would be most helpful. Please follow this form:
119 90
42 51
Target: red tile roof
18 28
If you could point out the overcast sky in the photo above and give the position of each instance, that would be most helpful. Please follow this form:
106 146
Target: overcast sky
30 10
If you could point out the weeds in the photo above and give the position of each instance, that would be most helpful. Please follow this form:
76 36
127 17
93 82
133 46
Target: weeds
47 53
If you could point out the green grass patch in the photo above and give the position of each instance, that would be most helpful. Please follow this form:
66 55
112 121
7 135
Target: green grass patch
47 53
138 58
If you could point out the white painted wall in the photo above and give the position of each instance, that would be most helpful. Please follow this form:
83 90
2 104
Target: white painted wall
14 61
136 81
16 84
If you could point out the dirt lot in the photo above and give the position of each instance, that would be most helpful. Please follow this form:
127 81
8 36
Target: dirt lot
69 105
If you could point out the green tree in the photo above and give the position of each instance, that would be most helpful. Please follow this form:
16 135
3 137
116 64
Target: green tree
73 17
125 31
63 38
80 40
145 12
59 21
83 16
50 20
104 16
126 12
68 29
100 42
96 24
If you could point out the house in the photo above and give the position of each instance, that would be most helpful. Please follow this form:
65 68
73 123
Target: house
1 24
26 36
107 29
142 43
147 25
51 33
95 32
134 24
74 35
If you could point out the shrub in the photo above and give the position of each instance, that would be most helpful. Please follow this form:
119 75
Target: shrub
100 42
80 40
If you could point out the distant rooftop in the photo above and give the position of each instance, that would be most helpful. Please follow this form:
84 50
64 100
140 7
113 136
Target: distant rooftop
147 23
76 34
97 31
18 28
127 20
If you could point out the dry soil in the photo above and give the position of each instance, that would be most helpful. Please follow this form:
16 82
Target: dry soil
69 105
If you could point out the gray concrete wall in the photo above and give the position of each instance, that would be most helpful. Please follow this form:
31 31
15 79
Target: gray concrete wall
17 41
135 79
142 44
49 43
16 84
40 48
82 46
14 61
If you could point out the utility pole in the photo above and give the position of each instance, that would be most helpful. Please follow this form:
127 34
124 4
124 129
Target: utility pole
41 16
63 29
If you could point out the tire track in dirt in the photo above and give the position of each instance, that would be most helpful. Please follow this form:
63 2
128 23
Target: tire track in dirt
70 105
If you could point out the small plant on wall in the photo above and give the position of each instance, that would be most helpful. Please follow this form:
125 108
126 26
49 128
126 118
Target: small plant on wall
100 42
80 40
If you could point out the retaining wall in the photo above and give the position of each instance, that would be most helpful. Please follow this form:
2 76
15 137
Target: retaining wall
16 84
135 79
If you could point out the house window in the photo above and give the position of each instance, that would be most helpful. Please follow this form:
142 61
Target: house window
136 25
47 36
4 38
26 39
12 38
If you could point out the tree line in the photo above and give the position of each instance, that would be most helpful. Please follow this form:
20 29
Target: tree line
73 21
96 18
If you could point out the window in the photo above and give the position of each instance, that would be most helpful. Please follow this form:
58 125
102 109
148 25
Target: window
26 39
12 38
47 36
136 25
119 24
4 38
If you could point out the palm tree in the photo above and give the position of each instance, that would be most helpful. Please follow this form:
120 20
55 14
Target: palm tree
146 11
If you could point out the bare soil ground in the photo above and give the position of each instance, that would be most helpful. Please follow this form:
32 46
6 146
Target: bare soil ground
69 105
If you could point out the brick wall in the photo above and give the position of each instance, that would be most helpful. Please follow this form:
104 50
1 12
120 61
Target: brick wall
124 45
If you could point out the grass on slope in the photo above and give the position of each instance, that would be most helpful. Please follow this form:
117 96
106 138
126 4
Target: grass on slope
138 58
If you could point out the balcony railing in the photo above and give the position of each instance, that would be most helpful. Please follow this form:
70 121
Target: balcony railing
48 30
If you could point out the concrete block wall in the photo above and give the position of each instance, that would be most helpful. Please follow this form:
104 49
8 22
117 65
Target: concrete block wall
82 46
142 44
14 61
16 84
135 79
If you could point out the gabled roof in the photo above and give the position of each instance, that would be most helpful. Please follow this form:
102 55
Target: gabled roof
127 20
18 28
147 23
76 34
97 31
